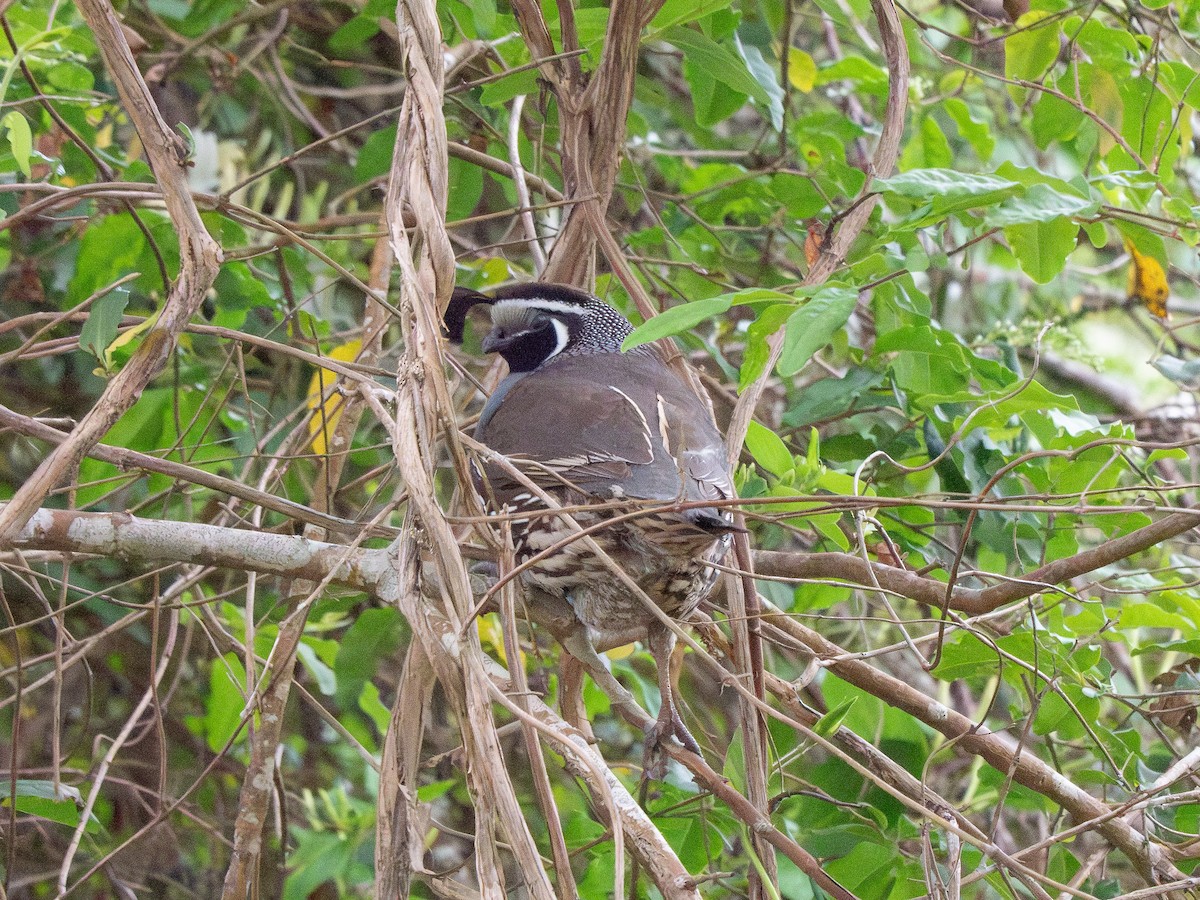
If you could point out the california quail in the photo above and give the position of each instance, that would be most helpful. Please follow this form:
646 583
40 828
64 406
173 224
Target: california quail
588 424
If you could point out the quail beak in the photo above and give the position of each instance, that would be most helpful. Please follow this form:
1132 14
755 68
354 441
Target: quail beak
495 342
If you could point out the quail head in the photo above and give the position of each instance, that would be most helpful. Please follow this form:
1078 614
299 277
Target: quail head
588 425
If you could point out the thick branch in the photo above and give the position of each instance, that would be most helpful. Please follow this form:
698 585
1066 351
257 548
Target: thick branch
593 113
122 535
974 601
258 782
190 542
418 182
126 537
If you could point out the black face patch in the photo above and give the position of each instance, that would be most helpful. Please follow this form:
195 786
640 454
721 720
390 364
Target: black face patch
527 349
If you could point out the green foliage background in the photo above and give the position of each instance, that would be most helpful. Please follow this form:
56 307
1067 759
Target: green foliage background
976 368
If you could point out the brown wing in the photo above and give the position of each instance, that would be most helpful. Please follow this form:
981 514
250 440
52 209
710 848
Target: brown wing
611 424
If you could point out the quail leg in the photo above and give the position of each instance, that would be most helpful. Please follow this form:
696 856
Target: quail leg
556 615
570 696
661 643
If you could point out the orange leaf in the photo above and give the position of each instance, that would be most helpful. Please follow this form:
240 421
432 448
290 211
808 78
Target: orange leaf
814 242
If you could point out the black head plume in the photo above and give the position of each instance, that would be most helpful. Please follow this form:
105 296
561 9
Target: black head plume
455 317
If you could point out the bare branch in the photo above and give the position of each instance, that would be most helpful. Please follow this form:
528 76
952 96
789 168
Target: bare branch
199 255
132 459
975 601
998 749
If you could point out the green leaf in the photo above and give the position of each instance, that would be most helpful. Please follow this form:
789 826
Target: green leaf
966 656
798 193
767 77
20 138
238 290
793 883
1147 615
811 326
1041 203
757 353
977 133
466 187
869 870
206 15
992 409
1042 248
111 247
827 527
320 857
711 102
1103 97
369 702
1104 44
224 704
373 637
497 93
925 184
681 12
356 32
718 61
1032 48
427 793
768 449
40 798
104 318
1148 125
326 679
375 157
734 769
854 68
69 76
928 149
832 720
677 319
947 190
1054 120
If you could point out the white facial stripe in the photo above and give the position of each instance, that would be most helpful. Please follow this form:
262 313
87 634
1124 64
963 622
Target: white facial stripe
560 329
573 309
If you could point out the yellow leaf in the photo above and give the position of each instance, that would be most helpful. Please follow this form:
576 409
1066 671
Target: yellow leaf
802 71
327 409
1147 281
623 652
121 340
492 637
